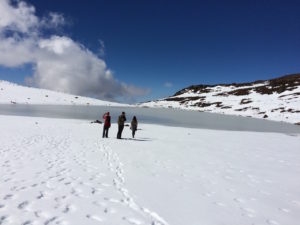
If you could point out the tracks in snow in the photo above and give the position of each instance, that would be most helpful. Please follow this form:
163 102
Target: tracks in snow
116 166
54 175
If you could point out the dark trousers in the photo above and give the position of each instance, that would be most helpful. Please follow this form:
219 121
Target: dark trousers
120 130
133 132
105 131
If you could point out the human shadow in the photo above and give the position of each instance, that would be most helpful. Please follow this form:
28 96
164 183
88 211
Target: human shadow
137 139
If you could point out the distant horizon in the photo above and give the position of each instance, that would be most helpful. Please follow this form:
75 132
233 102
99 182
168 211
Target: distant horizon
215 84
139 51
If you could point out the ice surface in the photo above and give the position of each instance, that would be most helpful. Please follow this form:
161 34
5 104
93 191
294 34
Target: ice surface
170 117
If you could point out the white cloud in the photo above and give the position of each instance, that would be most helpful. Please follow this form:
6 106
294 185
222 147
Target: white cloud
16 52
56 19
168 85
20 18
101 50
57 45
60 63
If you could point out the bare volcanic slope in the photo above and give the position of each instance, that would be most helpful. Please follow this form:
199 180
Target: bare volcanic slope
276 99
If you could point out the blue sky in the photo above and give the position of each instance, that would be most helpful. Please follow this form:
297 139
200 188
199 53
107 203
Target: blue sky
150 43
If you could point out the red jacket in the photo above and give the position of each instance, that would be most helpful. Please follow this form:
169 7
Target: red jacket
106 120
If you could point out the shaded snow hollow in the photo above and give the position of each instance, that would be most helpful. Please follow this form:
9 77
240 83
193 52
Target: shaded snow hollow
58 171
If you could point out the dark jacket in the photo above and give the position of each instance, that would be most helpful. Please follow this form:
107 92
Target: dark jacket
121 120
134 125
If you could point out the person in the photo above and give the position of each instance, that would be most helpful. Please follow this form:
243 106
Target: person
106 124
134 124
121 121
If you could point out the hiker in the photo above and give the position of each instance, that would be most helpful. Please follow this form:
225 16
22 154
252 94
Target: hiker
134 124
106 124
121 121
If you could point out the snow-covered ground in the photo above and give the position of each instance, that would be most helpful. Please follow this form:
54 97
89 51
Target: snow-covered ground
58 171
11 93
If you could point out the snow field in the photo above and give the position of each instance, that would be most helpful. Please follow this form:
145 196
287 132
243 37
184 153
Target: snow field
216 177
17 94
57 171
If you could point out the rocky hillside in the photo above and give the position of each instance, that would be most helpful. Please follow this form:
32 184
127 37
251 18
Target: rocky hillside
276 99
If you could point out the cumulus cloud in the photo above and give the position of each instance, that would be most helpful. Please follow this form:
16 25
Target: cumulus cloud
60 63
20 18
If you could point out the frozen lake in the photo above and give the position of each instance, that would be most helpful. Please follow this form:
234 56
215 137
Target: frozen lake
170 117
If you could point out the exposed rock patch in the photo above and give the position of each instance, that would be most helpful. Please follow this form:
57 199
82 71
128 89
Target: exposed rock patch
245 101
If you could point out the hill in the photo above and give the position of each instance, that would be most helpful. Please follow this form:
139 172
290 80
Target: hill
11 93
276 99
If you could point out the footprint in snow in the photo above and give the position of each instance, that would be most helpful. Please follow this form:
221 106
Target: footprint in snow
7 197
221 204
133 221
93 217
109 210
239 200
96 190
249 212
28 222
105 185
69 208
284 210
7 180
23 205
272 222
207 194
49 221
112 200
296 202
21 188
3 218
37 214
41 195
